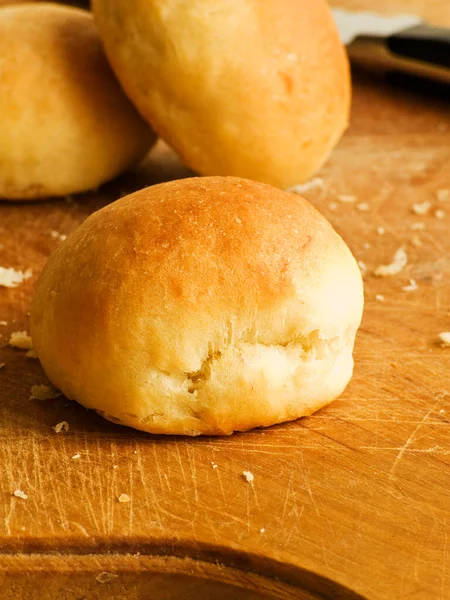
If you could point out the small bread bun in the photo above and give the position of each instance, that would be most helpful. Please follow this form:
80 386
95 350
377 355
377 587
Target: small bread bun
200 306
65 124
252 88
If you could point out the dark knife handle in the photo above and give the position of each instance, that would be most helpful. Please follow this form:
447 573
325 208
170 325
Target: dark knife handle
420 51
422 43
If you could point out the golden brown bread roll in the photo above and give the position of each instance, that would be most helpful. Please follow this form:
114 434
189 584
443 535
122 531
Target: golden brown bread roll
200 306
237 87
65 124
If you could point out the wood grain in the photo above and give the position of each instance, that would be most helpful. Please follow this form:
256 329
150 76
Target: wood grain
352 502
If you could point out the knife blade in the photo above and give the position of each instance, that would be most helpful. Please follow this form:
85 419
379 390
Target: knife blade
402 43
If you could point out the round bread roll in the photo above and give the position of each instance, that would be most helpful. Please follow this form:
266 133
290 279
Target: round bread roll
200 306
65 124
238 87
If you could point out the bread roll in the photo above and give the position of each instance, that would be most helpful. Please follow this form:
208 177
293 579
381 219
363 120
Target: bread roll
200 306
238 87
65 124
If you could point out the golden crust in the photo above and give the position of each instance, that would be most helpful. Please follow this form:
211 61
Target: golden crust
247 88
203 305
66 125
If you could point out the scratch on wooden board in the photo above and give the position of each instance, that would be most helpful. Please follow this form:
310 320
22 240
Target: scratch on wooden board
444 574
409 441
308 487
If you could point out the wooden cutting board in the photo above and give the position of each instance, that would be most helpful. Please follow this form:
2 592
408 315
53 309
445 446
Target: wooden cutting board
352 502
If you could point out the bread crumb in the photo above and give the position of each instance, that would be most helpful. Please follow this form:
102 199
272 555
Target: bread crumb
3 323
11 278
63 426
44 392
366 245
332 206
58 236
124 498
397 265
443 195
346 198
248 475
439 214
115 466
411 287
362 267
444 337
379 298
416 241
75 456
363 206
301 188
262 530
381 230
419 226
20 339
105 577
20 494
213 464
442 411
421 208
31 353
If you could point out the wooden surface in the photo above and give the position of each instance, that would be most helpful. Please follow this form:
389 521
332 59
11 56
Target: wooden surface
351 502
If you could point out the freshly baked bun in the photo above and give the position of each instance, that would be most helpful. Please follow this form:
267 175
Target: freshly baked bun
200 306
252 88
65 124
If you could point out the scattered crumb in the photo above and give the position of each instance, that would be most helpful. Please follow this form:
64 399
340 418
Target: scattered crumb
439 214
411 287
397 265
248 475
445 339
3 323
332 206
262 530
44 392
443 195
379 298
104 577
421 208
419 226
381 230
124 498
366 245
58 236
134 451
362 267
20 339
213 464
416 241
346 198
115 466
363 206
316 183
63 426
31 353
442 411
11 278
75 456
20 494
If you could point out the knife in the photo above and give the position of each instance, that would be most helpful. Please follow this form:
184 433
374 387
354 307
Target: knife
402 43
